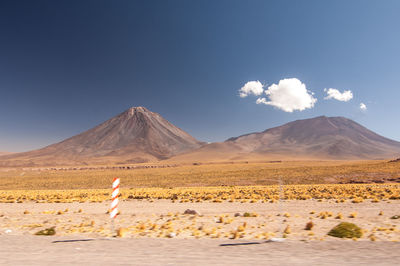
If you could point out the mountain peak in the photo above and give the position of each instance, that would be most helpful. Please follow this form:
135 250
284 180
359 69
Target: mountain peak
321 122
137 109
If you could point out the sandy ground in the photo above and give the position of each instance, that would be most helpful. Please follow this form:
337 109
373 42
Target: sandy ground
30 250
158 233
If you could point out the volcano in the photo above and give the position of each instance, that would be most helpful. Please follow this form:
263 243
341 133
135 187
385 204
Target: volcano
134 136
316 138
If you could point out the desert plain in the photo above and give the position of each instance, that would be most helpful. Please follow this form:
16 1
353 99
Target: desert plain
271 212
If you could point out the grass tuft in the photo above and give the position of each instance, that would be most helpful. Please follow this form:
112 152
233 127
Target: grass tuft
46 232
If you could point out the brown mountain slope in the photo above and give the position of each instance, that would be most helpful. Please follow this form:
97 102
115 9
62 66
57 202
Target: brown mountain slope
136 135
315 138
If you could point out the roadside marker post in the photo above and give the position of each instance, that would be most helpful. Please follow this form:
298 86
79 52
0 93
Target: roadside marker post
280 209
114 202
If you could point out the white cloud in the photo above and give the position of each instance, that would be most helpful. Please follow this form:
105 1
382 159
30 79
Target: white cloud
344 96
289 95
363 107
261 100
251 87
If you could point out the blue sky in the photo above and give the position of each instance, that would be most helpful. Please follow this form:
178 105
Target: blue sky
66 66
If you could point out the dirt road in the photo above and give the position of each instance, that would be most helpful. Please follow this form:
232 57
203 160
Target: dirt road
31 250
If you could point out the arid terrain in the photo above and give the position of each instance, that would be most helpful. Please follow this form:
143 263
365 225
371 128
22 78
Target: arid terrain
186 202
236 208
201 174
212 132
160 232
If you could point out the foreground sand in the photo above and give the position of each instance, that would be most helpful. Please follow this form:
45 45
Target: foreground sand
30 250
159 233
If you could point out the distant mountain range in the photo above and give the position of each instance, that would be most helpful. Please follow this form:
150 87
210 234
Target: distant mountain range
139 135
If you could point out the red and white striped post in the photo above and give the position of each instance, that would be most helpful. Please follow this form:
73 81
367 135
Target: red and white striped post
114 202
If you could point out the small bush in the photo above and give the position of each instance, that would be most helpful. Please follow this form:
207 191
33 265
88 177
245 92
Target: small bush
357 200
395 217
287 230
346 230
46 232
248 214
353 215
122 232
309 225
339 216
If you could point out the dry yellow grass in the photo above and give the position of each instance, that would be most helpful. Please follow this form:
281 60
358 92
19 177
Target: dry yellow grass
218 174
249 194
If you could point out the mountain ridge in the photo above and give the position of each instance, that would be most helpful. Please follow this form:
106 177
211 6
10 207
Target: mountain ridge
138 135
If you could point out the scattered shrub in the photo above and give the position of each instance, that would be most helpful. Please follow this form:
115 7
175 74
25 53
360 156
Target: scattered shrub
287 230
122 232
339 216
248 214
46 232
353 215
357 200
309 225
346 230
